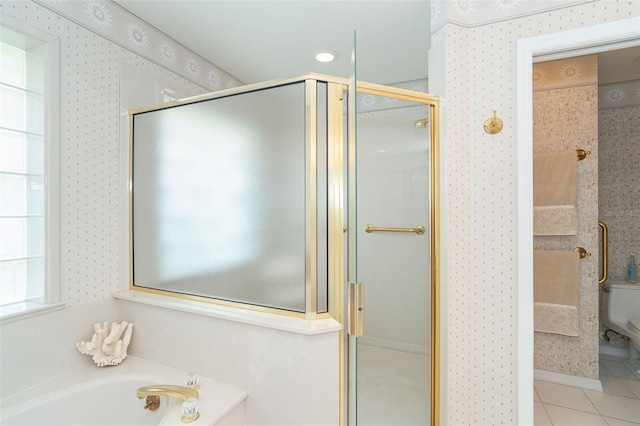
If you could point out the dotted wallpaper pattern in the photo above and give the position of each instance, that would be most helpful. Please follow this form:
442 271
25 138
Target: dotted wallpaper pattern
89 152
480 180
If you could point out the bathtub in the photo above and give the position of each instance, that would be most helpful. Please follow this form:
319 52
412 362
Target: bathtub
107 396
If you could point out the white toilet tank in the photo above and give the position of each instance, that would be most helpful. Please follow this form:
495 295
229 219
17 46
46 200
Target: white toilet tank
620 301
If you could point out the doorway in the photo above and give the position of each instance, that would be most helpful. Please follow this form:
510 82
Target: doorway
599 38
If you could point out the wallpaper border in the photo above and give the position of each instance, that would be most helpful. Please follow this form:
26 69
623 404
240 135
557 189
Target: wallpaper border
125 29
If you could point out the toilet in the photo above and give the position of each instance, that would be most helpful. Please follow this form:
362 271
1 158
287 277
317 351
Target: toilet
621 313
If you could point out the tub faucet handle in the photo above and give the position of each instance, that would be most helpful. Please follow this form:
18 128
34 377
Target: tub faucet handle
152 403
192 380
188 395
190 410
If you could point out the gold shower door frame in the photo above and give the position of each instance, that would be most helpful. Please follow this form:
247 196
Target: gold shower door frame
340 181
348 377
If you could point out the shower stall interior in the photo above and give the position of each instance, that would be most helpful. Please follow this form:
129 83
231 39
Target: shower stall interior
393 261
307 197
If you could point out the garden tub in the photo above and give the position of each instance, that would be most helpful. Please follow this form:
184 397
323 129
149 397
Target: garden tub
91 396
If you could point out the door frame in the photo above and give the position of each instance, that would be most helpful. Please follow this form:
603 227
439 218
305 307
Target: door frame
565 44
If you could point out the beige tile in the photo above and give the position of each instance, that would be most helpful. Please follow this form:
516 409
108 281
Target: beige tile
561 416
618 422
540 417
604 371
634 369
618 369
618 407
565 396
632 385
614 386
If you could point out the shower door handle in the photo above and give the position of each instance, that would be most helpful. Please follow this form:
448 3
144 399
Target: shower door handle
356 309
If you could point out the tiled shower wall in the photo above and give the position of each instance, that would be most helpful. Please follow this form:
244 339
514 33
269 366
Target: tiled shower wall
565 118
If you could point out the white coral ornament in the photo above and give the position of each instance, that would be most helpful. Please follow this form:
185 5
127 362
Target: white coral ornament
106 348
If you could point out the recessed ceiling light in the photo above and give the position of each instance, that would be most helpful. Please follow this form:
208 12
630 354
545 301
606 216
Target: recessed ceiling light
326 56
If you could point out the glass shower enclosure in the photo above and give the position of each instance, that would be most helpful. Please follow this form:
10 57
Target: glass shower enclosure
393 257
278 197
225 203
392 261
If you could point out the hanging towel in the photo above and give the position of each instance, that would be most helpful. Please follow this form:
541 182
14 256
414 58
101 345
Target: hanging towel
555 220
556 278
554 193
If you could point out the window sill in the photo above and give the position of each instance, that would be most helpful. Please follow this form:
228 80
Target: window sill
23 310
260 319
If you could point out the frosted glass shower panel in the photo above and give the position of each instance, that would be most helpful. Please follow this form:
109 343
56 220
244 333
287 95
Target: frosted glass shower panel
219 198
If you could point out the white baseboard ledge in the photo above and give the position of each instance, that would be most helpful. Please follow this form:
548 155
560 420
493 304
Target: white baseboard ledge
568 380
617 352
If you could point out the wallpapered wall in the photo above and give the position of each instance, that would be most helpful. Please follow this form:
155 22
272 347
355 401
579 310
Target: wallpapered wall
480 286
619 189
89 149
119 26
476 75
565 118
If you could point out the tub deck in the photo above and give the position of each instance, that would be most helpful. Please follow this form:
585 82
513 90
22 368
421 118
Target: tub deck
220 403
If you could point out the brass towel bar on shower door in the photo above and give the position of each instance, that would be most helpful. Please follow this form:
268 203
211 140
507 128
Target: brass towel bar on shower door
418 229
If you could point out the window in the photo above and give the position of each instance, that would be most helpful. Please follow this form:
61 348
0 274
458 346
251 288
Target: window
25 171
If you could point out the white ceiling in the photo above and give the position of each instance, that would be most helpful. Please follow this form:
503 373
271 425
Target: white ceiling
261 40
257 41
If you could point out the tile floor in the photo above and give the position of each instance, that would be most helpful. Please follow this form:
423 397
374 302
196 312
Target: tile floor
617 405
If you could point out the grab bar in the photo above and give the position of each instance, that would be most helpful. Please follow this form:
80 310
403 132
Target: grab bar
418 229
605 251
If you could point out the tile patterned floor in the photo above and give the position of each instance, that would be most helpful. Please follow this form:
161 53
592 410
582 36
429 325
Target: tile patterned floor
617 405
